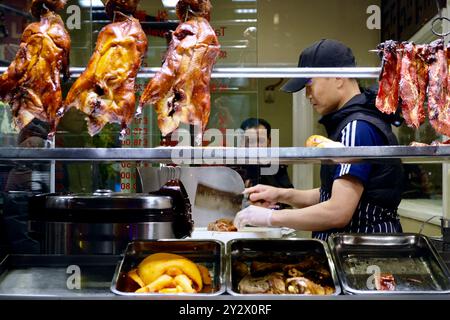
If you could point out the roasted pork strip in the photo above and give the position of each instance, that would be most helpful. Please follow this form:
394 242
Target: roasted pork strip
412 99
438 88
388 93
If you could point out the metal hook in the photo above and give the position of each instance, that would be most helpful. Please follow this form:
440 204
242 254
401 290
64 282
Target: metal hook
433 24
440 18
116 13
189 10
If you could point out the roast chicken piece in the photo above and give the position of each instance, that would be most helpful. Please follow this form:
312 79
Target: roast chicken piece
301 285
222 225
270 284
180 90
414 74
309 276
32 83
438 88
105 90
388 93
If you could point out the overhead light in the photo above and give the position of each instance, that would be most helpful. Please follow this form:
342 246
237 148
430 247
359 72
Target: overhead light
245 11
169 3
245 20
88 3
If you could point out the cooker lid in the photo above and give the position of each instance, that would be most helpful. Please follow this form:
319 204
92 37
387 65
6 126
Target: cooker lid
107 200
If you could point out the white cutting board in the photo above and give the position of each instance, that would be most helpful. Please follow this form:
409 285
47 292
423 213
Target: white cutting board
245 233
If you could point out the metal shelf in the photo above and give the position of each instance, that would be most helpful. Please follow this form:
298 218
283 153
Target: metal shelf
232 156
368 73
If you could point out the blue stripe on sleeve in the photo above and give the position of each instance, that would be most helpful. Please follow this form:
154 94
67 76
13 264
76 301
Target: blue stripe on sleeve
356 134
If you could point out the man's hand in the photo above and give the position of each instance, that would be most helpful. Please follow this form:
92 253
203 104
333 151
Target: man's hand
253 216
263 196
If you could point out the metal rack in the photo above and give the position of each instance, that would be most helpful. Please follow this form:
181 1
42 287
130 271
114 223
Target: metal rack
225 156
368 73
231 156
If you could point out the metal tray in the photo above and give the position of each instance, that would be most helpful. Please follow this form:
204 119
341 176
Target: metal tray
34 276
410 258
291 250
209 253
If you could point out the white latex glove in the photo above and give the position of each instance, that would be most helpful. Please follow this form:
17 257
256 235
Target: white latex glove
253 216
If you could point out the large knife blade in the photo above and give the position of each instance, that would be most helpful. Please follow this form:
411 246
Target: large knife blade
217 200
215 192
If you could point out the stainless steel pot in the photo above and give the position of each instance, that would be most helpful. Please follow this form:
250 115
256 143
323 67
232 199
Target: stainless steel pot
105 222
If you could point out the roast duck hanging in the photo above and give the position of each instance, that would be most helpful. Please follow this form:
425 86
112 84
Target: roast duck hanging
105 90
180 90
32 83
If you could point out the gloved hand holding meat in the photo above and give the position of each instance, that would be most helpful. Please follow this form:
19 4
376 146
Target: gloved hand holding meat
253 216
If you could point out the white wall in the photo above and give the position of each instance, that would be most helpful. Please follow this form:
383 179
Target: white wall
302 22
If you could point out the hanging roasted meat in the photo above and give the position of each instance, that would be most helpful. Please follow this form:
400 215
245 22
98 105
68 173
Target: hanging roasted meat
180 90
388 93
32 84
413 81
124 6
438 88
105 90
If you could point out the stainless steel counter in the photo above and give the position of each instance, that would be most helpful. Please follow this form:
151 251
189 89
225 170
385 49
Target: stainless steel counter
229 156
50 278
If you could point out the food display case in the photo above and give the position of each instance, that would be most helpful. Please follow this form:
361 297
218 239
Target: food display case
104 276
15 268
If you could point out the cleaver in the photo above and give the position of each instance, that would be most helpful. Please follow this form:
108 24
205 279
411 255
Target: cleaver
214 192
211 198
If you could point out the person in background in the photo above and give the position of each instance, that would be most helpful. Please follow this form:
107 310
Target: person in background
352 198
257 133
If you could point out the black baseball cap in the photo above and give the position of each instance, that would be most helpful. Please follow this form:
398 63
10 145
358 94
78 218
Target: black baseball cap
326 53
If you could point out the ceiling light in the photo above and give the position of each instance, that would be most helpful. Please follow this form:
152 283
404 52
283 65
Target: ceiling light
169 3
245 11
87 3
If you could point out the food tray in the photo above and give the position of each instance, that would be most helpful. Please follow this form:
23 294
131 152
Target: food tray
34 276
210 253
288 251
410 258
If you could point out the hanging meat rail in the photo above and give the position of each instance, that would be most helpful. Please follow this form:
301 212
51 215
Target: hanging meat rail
261 72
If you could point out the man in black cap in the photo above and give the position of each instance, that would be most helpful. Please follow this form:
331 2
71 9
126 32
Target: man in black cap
353 198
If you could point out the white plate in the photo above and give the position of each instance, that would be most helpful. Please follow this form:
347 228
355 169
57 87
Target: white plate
246 233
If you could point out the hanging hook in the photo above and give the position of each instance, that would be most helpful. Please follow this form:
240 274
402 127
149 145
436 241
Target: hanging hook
442 35
189 10
439 18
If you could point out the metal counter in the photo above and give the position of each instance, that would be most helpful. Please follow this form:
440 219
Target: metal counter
229 156
29 277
